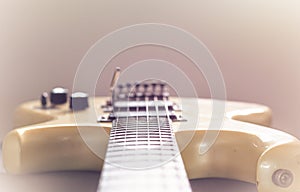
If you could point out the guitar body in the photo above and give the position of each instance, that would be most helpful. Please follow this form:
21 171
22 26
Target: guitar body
58 139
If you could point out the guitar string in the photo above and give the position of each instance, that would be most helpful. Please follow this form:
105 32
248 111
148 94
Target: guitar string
157 117
136 124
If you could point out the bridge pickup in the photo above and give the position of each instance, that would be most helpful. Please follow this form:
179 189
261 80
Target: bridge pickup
112 116
141 106
126 104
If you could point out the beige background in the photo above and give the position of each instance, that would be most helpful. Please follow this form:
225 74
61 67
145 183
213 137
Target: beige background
256 44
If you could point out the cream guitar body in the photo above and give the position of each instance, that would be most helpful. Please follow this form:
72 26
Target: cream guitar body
53 139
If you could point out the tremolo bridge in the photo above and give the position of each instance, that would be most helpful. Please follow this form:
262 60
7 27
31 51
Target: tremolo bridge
141 99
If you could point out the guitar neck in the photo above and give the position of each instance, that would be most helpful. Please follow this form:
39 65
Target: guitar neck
143 155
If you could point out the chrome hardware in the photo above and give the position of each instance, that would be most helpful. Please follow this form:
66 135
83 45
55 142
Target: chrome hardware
115 78
283 178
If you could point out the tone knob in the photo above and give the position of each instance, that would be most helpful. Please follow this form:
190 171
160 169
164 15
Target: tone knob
79 101
58 96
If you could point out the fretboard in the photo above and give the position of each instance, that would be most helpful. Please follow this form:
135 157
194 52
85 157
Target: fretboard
143 155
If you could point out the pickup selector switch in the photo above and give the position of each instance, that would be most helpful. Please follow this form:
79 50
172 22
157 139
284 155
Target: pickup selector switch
58 96
79 101
44 97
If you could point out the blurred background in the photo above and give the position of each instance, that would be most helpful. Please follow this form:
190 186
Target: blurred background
256 44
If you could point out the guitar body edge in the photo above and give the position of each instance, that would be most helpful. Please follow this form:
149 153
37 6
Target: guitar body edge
248 152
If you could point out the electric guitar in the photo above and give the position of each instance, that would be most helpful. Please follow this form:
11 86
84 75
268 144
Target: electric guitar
144 140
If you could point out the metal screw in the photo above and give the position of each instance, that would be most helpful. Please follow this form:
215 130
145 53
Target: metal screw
283 178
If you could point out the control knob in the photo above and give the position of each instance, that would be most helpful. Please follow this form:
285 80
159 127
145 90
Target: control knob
79 101
58 96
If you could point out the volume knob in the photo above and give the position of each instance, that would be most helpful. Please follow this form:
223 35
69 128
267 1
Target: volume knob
79 101
58 96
